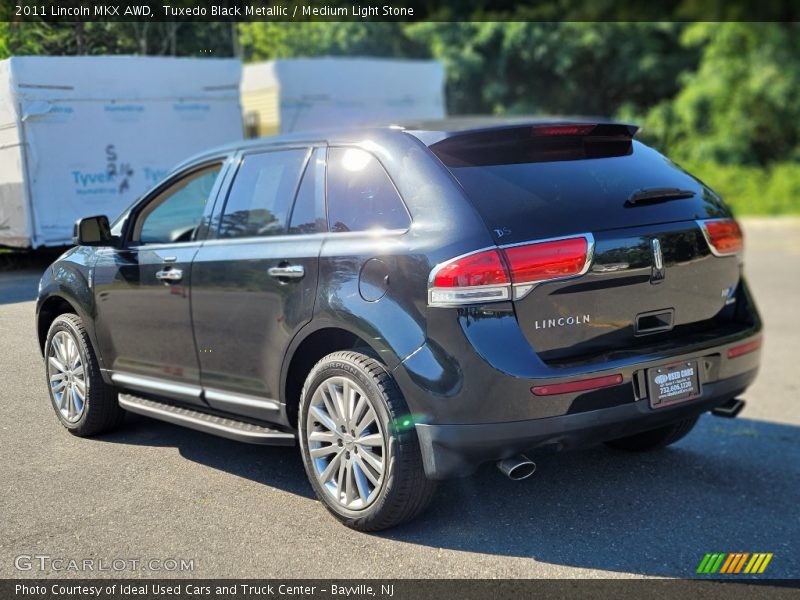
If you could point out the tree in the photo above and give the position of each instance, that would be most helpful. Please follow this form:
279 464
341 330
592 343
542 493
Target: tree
742 104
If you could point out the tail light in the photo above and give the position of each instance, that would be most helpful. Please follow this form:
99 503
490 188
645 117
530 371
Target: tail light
508 272
477 277
581 385
569 129
737 351
724 236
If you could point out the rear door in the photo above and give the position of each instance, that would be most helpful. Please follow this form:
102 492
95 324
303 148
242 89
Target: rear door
254 281
651 274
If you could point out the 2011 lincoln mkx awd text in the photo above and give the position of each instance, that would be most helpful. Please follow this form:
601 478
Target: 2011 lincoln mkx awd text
408 304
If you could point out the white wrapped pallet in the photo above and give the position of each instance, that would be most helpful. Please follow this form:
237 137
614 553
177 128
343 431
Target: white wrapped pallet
322 93
87 135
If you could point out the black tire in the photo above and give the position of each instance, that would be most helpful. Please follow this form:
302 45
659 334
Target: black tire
404 491
101 411
655 439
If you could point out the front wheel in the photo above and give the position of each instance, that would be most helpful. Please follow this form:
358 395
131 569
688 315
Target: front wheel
84 403
359 445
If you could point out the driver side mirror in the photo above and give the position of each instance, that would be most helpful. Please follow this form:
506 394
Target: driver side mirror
93 231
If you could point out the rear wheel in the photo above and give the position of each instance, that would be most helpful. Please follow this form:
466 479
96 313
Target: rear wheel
364 464
655 438
84 403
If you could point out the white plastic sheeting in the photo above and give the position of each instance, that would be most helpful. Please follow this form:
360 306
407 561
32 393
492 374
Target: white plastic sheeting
81 136
324 93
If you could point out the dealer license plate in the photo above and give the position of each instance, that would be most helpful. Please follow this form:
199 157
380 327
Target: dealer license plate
672 384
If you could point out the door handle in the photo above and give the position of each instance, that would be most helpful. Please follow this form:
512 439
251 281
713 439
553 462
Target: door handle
287 272
168 275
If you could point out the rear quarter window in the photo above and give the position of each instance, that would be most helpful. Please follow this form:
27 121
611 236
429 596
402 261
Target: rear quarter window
361 196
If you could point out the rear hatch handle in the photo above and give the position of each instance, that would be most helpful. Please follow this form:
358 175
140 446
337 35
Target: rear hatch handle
653 195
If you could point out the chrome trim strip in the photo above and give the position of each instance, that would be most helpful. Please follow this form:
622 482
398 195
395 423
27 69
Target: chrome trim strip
154 384
234 399
505 288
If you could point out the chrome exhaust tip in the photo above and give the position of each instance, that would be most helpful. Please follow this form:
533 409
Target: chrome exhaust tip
729 409
517 467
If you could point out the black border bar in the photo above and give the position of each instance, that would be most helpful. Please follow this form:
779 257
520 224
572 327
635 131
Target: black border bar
397 10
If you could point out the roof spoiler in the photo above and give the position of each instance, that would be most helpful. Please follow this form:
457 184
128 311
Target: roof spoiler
535 142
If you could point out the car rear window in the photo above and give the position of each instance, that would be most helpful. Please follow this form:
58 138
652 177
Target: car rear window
530 198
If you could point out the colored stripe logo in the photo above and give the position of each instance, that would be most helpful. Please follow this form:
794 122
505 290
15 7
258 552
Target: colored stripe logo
734 562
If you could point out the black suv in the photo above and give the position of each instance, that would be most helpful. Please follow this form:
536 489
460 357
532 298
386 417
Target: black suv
408 304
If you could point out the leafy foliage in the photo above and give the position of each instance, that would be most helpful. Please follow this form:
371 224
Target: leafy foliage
721 98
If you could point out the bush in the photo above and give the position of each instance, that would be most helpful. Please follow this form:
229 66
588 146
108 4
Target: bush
751 190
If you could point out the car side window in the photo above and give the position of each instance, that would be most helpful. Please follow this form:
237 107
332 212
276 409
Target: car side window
175 213
308 214
361 196
262 193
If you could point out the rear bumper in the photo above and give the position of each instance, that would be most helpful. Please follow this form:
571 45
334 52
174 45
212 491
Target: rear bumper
457 450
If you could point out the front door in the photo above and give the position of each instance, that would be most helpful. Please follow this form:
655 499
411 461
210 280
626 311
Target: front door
142 290
253 287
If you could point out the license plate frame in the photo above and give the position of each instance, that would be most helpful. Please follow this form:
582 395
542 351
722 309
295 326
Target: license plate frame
673 384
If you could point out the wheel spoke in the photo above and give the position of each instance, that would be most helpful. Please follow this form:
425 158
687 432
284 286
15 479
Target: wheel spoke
80 388
77 402
375 439
361 405
329 402
58 348
340 477
323 437
324 419
332 466
361 482
56 364
323 451
336 399
70 403
62 398
376 462
78 371
347 406
69 347
366 421
348 484
365 468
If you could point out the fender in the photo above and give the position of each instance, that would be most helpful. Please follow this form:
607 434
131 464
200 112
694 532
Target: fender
69 279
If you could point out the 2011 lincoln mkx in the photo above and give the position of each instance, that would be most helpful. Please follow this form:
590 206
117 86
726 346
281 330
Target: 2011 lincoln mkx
407 304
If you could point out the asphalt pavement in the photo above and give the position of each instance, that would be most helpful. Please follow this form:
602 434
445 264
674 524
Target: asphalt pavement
155 492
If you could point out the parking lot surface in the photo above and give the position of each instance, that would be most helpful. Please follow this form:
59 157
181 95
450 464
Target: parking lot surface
153 491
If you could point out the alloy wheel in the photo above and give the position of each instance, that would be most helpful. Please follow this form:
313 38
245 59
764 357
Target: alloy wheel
346 443
67 377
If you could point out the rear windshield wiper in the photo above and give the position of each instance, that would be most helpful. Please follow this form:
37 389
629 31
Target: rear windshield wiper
652 195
